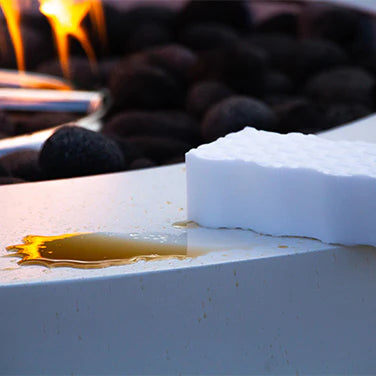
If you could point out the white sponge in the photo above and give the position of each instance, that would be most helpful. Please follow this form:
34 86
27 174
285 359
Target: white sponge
294 184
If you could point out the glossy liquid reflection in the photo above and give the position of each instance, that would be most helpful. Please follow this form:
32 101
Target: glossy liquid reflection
99 250
96 250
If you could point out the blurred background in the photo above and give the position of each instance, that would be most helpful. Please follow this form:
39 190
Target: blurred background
177 74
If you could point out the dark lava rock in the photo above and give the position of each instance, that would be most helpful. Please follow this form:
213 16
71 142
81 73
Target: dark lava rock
130 152
205 94
235 113
235 13
278 46
125 21
201 37
311 56
7 126
117 30
147 14
83 74
3 170
144 87
4 180
28 123
239 66
22 164
299 115
37 48
341 85
37 21
175 160
277 82
159 148
340 25
367 61
286 23
276 99
173 58
160 123
74 151
342 113
148 35
106 66
141 163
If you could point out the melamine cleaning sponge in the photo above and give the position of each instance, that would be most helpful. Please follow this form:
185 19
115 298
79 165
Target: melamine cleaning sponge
293 184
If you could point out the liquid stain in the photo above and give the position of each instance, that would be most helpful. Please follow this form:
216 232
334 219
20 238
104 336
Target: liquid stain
93 250
185 224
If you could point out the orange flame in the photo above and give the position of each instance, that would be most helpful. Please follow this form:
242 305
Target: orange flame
98 19
11 10
65 17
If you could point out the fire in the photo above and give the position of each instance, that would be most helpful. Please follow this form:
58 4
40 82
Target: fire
98 19
11 10
65 17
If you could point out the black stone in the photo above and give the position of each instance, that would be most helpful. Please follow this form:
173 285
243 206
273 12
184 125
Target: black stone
311 56
37 48
235 113
116 29
279 48
201 37
4 180
7 126
130 152
142 86
341 25
299 115
276 99
286 23
175 160
121 23
239 66
82 73
350 84
205 94
277 82
367 61
173 58
160 149
160 123
28 123
37 21
22 164
3 170
146 14
148 35
342 113
106 66
141 163
74 151
235 13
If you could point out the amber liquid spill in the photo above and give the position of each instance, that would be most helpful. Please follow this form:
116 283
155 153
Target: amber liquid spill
92 250
185 224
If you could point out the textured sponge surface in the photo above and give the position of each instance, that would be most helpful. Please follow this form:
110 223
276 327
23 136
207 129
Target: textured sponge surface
293 184
293 150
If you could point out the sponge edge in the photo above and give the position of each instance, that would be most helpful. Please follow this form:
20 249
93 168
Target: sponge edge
285 185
